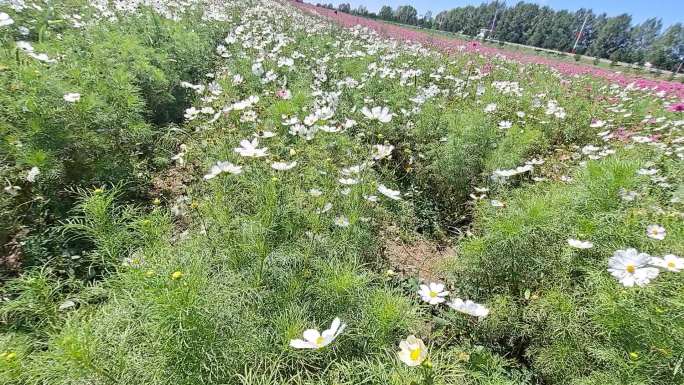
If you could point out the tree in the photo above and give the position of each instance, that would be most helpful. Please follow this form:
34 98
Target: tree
441 20
386 13
361 11
561 37
514 23
613 39
344 7
543 26
668 50
426 20
643 36
407 14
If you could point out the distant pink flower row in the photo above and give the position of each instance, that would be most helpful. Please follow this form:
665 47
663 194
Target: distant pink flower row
453 45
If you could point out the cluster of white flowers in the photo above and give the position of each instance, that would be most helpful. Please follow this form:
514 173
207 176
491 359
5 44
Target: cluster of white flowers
499 174
434 294
221 167
264 46
508 88
5 19
631 267
381 114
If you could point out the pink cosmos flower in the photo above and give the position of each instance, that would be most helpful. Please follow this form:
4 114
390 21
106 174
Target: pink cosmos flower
284 94
676 107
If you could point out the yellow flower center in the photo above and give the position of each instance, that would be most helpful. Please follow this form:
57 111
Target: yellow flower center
630 268
671 265
320 340
415 354
433 294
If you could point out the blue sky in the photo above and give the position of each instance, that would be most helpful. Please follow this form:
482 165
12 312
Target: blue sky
670 11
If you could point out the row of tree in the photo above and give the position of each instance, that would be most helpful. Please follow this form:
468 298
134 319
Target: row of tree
614 38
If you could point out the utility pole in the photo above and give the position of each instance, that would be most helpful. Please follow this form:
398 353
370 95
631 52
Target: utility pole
496 11
579 35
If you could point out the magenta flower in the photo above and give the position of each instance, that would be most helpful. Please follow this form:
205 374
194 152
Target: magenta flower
676 107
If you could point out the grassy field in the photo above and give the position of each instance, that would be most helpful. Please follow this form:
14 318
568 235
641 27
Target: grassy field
211 192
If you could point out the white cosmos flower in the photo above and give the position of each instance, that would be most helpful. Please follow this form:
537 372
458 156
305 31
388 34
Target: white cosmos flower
282 166
349 123
342 221
66 305
631 267
284 94
269 77
433 293
326 207
669 262
589 149
5 19
348 181
41 57
656 232
285 62
325 113
24 46
382 151
315 192
627 196
221 167
498 173
250 148
257 69
490 108
469 307
353 169
580 244
72 97
381 114
647 171
32 174
12 190
505 124
191 113
597 124
330 129
392 194
412 351
311 119
313 339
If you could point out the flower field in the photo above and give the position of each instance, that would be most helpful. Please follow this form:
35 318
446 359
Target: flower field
247 192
